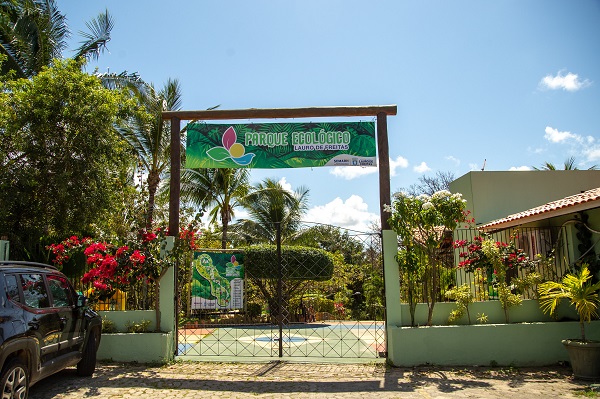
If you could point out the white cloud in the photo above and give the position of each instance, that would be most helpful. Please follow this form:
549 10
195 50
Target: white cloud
399 162
539 150
422 168
592 154
586 147
286 186
519 168
353 172
453 159
568 82
474 166
554 136
352 214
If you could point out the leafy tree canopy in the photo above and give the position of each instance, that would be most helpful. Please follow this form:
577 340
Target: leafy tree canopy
34 32
332 239
269 204
569 164
63 165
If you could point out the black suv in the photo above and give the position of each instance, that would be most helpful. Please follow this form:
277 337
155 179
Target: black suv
45 326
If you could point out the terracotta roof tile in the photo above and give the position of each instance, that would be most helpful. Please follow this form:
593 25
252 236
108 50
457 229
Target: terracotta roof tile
554 206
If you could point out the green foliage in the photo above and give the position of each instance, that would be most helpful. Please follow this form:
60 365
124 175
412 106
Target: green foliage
491 261
507 299
220 191
426 218
482 318
411 265
588 392
424 224
322 304
34 33
63 165
108 326
332 239
270 205
149 136
137 327
357 281
253 310
300 263
527 282
578 290
463 296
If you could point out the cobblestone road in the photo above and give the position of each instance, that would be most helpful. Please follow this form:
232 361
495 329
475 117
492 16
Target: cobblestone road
306 380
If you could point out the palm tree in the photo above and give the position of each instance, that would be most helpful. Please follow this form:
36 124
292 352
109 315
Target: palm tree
569 165
219 189
150 136
269 204
34 32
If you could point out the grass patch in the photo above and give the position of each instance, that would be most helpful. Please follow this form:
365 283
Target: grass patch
593 391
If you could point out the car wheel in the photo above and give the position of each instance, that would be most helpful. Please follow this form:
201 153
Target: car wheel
15 380
87 364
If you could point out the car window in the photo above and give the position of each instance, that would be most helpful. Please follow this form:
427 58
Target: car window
12 288
60 290
34 291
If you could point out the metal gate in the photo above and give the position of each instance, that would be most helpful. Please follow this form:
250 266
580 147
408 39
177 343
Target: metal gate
294 308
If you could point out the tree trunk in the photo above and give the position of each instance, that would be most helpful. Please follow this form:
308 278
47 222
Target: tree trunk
224 235
153 181
225 218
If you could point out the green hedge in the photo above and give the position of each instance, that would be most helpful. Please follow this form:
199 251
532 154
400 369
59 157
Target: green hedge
299 263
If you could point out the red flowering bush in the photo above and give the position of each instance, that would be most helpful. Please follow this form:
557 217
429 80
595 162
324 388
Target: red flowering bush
495 261
62 251
484 253
115 267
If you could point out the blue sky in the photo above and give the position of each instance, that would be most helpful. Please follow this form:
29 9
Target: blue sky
510 83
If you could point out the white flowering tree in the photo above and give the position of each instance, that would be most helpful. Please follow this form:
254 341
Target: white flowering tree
424 224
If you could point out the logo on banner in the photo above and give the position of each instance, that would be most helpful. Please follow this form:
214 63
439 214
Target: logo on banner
231 149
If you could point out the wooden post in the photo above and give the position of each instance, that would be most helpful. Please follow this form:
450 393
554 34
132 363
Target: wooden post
175 186
384 168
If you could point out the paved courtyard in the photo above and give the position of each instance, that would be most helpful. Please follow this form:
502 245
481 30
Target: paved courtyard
307 380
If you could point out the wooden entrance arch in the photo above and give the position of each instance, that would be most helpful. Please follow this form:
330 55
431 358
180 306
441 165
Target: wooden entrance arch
379 111
389 239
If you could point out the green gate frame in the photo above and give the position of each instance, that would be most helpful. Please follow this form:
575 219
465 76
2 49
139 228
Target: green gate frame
389 237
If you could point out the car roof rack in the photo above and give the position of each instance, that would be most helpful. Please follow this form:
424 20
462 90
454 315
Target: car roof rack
25 263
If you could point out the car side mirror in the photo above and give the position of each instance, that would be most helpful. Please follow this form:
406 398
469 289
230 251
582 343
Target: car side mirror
81 301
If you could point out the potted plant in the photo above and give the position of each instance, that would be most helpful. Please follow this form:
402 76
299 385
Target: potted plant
577 287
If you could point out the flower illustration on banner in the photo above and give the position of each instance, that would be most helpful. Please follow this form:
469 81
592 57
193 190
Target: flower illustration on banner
231 149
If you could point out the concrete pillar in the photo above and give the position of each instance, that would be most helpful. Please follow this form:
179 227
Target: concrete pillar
4 249
392 290
167 301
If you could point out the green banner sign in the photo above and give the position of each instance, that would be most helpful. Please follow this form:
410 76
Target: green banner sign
217 281
280 145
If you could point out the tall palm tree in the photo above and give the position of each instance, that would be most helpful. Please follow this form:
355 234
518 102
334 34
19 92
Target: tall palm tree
569 165
268 204
219 189
34 32
150 136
